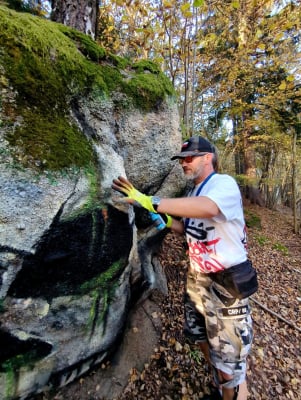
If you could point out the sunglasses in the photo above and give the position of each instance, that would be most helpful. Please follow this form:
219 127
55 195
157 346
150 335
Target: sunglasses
189 159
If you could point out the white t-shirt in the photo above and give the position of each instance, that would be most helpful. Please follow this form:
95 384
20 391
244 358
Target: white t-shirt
220 242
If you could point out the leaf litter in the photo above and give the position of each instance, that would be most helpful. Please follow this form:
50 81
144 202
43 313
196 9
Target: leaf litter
177 369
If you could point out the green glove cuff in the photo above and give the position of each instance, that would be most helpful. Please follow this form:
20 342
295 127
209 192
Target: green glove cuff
169 221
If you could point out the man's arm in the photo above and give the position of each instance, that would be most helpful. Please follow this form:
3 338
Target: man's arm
189 207
186 207
177 226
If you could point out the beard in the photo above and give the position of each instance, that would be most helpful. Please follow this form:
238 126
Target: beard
191 175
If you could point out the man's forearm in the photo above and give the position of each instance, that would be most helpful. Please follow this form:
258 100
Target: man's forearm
177 226
189 207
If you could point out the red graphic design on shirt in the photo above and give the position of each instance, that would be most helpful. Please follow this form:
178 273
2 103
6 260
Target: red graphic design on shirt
199 260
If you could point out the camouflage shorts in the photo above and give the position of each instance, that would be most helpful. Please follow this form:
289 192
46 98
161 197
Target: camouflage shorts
211 312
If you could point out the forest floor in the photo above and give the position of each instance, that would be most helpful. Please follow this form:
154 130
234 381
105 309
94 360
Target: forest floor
177 371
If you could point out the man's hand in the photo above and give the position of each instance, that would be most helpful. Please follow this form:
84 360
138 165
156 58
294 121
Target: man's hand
161 221
135 197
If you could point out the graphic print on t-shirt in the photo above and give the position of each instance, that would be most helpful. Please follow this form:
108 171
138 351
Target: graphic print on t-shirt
201 246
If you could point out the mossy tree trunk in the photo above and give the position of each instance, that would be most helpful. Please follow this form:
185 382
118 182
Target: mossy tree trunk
79 14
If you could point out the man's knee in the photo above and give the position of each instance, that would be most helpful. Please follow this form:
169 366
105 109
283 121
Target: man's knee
231 384
225 379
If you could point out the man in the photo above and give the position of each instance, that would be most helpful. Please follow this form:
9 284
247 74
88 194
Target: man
220 277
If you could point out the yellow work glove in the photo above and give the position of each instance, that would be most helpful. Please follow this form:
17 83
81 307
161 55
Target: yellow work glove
135 197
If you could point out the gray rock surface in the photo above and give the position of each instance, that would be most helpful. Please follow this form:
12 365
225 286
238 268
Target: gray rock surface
70 266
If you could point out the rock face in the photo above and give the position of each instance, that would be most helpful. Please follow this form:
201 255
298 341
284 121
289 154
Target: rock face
74 259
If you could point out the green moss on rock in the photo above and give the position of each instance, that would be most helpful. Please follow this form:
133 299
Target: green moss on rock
146 65
86 45
148 90
48 66
105 278
102 288
51 143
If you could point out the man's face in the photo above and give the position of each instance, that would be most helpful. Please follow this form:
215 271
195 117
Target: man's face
193 166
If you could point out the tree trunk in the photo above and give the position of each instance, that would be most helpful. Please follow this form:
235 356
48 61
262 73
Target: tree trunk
252 191
79 14
294 183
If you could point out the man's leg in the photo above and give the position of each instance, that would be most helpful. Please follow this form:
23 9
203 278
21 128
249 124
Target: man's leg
240 392
204 346
229 328
195 331
195 326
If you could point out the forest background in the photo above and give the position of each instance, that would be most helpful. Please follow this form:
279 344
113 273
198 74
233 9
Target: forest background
235 66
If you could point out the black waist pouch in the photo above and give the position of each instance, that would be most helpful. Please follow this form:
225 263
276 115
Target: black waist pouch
239 280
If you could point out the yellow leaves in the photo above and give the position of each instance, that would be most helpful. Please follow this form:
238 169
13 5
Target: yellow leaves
208 39
295 381
110 28
176 344
288 25
198 3
279 36
261 46
167 4
260 353
287 83
258 33
134 375
211 37
282 86
290 78
235 4
185 9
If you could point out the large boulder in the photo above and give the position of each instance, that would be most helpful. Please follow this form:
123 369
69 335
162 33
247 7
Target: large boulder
74 258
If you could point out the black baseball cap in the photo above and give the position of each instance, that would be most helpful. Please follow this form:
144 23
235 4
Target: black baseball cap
193 146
